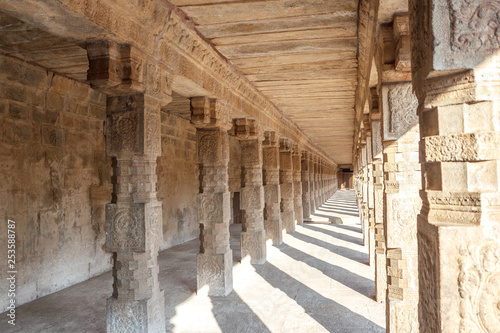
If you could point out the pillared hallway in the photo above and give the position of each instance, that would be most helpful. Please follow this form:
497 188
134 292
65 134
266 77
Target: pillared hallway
318 280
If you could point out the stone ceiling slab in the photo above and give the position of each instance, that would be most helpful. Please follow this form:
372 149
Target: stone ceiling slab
302 55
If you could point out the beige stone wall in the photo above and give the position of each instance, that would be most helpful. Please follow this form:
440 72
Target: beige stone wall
56 179
178 182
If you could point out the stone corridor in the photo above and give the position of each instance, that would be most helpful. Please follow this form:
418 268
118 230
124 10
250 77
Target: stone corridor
316 281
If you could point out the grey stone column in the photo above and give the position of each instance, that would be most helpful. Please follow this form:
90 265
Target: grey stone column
272 193
215 260
365 222
317 198
297 185
134 216
253 237
286 185
306 187
456 78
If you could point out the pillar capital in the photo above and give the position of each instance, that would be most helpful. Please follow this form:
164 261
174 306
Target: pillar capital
271 139
246 129
118 69
210 113
286 145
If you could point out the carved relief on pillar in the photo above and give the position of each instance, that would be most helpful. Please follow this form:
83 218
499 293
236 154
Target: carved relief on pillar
215 260
286 185
306 183
133 219
252 192
297 184
272 194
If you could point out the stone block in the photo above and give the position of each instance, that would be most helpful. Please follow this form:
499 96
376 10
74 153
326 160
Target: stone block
252 198
253 245
399 109
214 207
213 147
215 271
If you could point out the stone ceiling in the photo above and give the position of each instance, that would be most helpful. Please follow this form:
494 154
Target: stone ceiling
301 54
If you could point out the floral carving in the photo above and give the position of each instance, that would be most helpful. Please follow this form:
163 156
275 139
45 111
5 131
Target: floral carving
479 288
475 25
403 105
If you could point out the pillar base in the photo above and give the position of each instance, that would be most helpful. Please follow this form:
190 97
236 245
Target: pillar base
274 231
215 271
136 316
253 244
371 251
380 277
402 317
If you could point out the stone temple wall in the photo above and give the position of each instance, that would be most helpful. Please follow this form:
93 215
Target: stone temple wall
56 179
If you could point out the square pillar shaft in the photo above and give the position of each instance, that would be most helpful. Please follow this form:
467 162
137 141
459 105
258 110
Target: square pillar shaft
286 185
253 242
272 193
306 184
215 260
297 186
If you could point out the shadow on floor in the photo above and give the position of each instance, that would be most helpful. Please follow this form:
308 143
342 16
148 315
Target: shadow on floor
344 237
339 250
342 212
349 279
356 228
329 314
234 315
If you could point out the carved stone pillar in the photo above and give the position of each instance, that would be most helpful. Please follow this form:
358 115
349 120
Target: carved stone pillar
402 203
297 185
317 198
306 187
286 185
365 222
272 193
312 183
215 260
253 238
456 76
370 191
378 196
135 94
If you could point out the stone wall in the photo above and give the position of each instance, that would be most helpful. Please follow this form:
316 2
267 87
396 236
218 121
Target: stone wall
178 181
55 176
56 179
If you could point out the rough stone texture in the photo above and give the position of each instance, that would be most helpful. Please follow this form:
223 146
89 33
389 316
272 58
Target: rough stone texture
297 185
286 185
306 184
55 179
401 204
272 193
178 182
214 262
253 242
458 230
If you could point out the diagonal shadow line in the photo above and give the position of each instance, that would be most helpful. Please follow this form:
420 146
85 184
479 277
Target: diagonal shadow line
338 212
344 237
328 313
349 227
349 279
337 249
234 315
342 209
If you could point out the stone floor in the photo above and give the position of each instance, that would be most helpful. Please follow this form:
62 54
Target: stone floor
316 281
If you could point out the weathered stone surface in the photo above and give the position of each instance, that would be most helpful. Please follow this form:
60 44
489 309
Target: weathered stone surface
272 193
286 185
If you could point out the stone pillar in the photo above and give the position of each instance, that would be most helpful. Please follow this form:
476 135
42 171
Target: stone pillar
253 238
378 196
272 194
317 199
286 185
306 187
365 222
370 202
401 204
456 77
312 183
134 216
215 260
297 185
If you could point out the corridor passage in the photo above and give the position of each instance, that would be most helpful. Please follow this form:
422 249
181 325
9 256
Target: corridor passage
318 280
